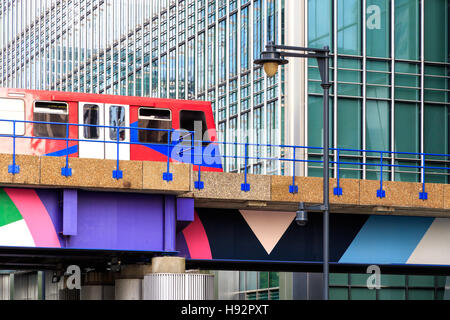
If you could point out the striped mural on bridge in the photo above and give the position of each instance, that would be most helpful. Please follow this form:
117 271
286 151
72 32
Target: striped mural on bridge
24 220
118 221
354 239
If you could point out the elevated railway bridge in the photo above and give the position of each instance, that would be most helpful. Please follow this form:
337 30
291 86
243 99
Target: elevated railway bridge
98 214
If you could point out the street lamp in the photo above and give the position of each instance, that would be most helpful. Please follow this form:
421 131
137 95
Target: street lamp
270 60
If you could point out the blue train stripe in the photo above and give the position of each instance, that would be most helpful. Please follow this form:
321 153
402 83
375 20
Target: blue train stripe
64 152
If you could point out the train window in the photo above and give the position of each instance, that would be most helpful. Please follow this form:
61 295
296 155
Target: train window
158 119
91 117
12 109
50 112
116 119
195 121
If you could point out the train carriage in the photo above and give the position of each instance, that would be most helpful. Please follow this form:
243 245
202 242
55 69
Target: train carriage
146 128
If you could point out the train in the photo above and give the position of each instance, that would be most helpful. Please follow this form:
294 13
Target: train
89 125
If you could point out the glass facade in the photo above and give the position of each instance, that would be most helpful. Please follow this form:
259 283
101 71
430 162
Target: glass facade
179 49
254 285
393 287
390 69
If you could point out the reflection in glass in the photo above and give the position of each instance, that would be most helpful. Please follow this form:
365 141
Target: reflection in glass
116 119
91 117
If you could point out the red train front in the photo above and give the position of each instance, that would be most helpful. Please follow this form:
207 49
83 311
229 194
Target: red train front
147 128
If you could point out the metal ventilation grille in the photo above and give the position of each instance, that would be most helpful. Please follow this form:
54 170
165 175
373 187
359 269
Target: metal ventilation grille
178 286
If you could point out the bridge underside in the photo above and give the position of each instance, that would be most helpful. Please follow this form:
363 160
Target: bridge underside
93 220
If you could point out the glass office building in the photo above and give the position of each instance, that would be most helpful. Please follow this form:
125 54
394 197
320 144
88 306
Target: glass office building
390 67
391 93
178 49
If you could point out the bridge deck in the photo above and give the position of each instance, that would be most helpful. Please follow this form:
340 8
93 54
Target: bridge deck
224 189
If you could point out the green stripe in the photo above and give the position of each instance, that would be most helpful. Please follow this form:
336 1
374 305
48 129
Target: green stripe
8 210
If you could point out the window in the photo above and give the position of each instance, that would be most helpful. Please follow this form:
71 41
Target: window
116 119
91 117
258 285
50 112
12 109
393 287
195 121
158 119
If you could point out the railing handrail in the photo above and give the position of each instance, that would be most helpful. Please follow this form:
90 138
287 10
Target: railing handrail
193 144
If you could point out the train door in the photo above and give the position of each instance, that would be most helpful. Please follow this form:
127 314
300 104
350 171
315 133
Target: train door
90 116
117 115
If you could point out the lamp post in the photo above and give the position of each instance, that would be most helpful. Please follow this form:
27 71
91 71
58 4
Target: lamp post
271 59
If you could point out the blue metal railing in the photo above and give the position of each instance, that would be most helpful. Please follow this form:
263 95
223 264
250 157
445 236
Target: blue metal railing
197 156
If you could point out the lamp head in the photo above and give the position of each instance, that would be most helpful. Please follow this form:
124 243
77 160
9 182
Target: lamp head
271 59
301 217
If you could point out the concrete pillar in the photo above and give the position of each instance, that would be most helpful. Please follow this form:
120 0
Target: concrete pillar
98 286
25 286
128 289
170 281
168 265
447 289
98 292
128 285
52 289
5 286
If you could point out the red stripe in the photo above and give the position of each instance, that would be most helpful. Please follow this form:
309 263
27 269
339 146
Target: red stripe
197 240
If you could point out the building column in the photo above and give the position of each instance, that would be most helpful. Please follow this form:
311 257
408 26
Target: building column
296 81
5 286
54 285
170 281
25 286
128 285
98 286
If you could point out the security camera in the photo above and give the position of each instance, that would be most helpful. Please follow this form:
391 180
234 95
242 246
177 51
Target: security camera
302 215
302 218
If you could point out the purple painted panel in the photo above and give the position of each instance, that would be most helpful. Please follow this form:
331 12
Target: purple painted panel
119 221
185 209
185 212
169 223
182 247
70 208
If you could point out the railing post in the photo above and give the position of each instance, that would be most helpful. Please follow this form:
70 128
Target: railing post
167 176
338 190
381 193
66 171
199 184
245 186
293 188
423 195
118 174
13 168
